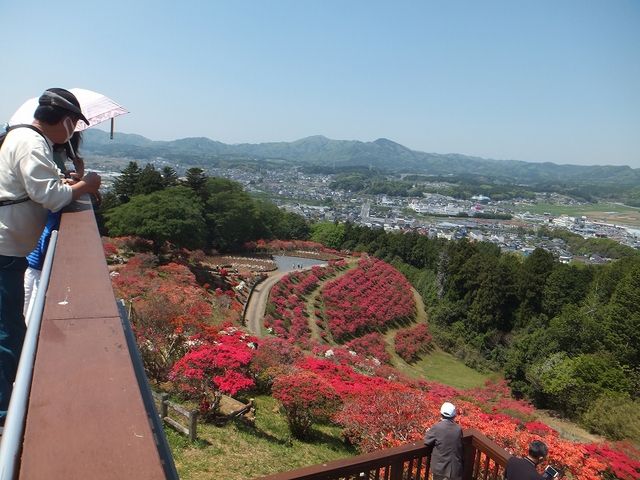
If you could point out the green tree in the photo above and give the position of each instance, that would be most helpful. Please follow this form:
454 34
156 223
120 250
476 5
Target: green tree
149 181
295 227
531 281
578 330
531 345
572 385
109 202
196 179
270 220
331 235
170 177
125 184
230 213
566 284
171 215
623 319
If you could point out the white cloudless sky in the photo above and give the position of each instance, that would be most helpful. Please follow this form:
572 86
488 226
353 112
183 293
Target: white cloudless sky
534 81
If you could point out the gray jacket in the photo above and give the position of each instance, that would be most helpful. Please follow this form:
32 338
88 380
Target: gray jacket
446 439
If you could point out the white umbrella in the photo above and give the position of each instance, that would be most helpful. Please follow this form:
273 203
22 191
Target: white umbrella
95 106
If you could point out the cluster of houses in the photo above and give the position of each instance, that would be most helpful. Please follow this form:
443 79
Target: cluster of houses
435 215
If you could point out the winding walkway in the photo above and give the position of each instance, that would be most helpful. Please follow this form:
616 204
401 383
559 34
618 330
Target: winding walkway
258 302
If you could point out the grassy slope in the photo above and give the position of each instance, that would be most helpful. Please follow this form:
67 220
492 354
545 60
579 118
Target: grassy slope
238 452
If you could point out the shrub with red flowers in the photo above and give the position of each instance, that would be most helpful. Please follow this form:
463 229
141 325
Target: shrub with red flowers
371 345
343 378
618 463
109 249
211 370
410 343
167 307
306 398
273 354
496 396
370 296
383 417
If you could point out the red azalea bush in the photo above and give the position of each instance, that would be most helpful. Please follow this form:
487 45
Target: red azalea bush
109 249
273 354
367 297
370 345
410 343
168 308
618 463
496 395
383 417
211 370
306 398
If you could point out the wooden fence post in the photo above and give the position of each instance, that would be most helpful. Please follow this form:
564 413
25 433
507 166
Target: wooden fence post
193 425
163 405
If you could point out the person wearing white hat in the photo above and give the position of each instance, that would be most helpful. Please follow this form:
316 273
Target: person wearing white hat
445 438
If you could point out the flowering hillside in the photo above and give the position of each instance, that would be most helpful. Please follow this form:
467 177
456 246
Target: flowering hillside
371 296
287 316
353 386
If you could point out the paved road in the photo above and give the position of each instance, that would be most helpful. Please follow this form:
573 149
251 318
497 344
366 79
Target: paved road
258 302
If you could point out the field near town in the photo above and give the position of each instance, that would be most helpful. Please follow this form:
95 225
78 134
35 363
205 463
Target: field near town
603 212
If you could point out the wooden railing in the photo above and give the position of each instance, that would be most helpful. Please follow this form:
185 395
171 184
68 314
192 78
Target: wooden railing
483 460
89 414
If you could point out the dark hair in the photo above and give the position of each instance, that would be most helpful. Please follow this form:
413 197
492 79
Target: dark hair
52 114
538 449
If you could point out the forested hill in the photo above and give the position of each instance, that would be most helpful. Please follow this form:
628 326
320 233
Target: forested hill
381 153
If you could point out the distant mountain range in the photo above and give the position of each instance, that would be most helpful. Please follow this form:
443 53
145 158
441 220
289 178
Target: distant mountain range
381 154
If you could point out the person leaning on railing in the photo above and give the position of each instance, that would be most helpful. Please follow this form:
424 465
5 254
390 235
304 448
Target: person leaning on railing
525 468
29 186
446 439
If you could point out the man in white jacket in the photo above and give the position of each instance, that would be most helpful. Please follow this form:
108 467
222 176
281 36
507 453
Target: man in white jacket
30 185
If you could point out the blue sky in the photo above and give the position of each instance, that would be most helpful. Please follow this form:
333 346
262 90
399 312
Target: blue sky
555 81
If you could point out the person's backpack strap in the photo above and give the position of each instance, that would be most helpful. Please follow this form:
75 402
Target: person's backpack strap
7 129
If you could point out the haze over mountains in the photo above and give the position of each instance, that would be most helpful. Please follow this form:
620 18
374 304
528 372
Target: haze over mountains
381 154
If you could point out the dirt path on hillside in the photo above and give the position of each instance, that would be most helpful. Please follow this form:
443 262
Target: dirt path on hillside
566 429
421 314
421 317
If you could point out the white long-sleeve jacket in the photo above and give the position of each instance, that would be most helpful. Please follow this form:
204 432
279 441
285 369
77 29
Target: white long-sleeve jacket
27 170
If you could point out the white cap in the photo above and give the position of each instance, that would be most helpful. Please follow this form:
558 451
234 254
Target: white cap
448 410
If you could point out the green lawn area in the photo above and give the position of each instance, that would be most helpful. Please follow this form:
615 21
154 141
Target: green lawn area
237 451
443 368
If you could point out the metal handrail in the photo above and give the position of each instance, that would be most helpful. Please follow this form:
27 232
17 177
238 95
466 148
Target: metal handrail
13 434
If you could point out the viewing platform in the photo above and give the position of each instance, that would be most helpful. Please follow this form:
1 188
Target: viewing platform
82 407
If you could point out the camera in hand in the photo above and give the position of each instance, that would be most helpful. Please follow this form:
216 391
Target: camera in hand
550 473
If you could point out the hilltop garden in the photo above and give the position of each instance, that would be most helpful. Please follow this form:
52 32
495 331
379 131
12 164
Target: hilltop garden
332 338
